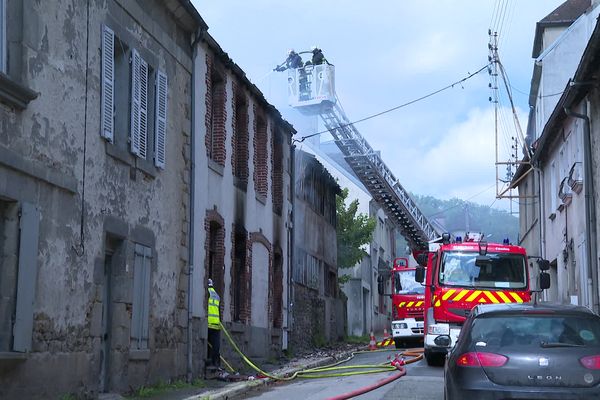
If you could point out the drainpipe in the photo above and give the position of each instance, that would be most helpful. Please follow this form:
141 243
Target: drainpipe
190 364
291 246
541 220
590 211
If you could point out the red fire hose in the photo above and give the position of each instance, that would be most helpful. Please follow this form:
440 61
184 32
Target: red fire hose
376 385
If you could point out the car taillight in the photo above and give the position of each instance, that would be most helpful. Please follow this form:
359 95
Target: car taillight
468 360
590 362
477 359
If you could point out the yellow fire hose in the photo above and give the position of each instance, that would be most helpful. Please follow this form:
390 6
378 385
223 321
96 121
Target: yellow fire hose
227 365
318 372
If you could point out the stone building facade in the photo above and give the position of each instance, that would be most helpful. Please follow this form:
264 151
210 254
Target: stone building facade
554 209
318 311
95 144
242 207
366 309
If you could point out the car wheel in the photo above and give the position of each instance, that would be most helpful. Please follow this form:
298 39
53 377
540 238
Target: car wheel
434 359
398 343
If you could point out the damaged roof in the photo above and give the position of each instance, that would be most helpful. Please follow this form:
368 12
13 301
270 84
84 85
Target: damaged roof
312 162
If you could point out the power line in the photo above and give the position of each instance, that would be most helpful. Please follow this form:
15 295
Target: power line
401 105
460 205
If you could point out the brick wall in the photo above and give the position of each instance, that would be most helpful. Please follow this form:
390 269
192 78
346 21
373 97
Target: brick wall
215 232
240 279
216 113
277 170
240 138
261 170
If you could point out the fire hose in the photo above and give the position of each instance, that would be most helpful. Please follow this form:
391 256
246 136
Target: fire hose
325 371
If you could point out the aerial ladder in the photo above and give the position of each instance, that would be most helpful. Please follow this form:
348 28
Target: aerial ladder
311 90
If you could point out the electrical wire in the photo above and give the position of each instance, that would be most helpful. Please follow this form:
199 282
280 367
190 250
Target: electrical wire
460 205
401 105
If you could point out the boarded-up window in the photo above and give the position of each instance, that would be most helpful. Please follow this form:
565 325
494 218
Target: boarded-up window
306 270
140 313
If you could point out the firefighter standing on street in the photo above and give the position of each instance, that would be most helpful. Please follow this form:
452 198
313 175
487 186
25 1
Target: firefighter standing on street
214 326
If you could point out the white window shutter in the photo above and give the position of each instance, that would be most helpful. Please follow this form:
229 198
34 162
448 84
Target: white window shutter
160 126
108 84
143 108
134 132
139 105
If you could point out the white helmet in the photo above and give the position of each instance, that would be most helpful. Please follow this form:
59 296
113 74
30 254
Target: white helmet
290 51
210 282
313 48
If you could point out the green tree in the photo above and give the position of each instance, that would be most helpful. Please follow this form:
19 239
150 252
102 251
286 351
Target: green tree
353 231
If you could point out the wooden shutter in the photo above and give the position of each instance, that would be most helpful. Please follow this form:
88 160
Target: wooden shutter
143 108
27 277
160 126
147 269
3 41
139 105
108 84
140 313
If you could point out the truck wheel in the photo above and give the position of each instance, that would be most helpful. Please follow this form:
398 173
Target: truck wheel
434 359
398 342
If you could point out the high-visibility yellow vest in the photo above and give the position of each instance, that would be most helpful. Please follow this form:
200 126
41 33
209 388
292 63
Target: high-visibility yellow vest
213 309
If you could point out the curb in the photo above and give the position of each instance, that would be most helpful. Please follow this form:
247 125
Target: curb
242 387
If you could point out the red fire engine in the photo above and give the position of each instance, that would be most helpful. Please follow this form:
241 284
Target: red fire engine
408 298
463 274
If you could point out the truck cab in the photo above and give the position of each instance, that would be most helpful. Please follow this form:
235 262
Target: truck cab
462 274
408 300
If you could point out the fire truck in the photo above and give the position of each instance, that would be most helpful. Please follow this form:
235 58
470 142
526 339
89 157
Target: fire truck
466 272
408 301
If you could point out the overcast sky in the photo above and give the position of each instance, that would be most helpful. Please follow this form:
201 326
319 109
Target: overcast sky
387 53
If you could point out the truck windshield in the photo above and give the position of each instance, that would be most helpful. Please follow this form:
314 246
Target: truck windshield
503 270
404 283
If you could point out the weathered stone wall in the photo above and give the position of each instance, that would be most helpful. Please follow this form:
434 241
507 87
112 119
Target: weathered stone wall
95 197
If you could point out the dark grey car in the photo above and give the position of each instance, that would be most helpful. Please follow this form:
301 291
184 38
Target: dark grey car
522 351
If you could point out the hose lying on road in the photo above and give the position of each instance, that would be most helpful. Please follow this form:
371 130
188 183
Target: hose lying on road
325 371
376 385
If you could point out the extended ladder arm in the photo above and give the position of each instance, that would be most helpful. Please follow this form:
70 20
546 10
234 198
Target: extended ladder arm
379 180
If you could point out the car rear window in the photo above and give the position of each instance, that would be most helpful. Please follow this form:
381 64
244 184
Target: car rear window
528 329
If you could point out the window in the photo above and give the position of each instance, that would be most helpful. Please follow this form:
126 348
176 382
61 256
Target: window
277 286
261 167
140 313
277 172
18 274
133 100
240 143
239 278
307 270
215 145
